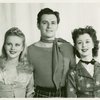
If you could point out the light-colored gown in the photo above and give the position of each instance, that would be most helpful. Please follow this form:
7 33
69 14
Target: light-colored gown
17 82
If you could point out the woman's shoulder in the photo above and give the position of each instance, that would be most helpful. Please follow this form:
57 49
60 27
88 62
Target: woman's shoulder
25 68
72 71
2 61
1 58
97 63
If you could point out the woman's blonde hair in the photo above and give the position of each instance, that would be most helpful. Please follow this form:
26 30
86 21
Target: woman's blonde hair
15 31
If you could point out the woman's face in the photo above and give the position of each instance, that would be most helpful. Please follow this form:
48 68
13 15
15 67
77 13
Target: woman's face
48 26
13 46
84 45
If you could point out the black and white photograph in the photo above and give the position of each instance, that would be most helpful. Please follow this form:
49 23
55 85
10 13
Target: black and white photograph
50 49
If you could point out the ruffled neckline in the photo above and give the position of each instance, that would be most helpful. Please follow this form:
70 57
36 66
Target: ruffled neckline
24 67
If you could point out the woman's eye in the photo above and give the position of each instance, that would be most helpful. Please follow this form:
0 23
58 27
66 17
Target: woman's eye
53 22
17 44
87 41
8 43
79 42
44 22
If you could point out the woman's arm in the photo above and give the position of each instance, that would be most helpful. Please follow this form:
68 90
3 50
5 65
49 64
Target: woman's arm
71 84
30 88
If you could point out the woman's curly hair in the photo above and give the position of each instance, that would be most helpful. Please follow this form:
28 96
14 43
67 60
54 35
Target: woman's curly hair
92 33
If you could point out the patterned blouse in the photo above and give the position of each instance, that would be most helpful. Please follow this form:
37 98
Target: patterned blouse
18 85
81 84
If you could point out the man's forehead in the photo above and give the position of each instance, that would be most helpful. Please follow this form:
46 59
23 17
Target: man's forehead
48 17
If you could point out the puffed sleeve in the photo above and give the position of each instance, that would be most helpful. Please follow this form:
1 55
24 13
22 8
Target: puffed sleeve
30 87
71 84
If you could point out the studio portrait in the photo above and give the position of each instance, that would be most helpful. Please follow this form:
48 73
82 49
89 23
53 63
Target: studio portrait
50 50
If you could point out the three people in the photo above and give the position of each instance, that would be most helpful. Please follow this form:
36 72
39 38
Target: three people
50 57
16 77
84 79
50 70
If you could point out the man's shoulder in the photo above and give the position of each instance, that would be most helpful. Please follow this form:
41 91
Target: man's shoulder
67 45
32 45
65 42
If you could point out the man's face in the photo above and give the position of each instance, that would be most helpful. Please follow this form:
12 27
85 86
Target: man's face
48 26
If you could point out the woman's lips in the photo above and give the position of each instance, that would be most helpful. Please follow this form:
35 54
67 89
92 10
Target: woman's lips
12 52
84 50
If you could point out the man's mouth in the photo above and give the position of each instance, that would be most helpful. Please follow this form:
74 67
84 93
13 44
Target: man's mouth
49 30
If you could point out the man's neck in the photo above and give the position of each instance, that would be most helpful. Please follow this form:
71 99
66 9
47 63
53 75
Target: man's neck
47 39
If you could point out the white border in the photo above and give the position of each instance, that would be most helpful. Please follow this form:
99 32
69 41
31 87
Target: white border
49 1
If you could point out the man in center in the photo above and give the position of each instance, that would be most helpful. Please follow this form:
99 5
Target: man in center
50 57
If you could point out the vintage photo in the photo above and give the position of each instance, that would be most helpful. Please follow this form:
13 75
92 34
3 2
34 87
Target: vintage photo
49 50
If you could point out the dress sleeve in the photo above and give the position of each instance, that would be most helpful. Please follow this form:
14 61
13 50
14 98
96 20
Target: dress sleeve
30 88
71 84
